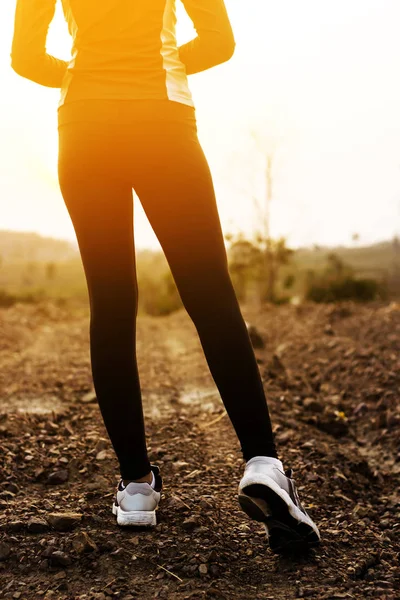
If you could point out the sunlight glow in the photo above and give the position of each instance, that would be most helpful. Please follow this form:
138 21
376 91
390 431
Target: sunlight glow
317 81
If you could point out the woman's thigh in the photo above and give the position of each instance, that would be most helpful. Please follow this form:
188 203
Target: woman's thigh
99 202
159 155
175 187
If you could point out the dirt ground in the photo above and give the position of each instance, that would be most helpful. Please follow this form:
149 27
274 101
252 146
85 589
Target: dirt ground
332 378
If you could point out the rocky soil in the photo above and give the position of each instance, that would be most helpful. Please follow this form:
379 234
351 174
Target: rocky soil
332 377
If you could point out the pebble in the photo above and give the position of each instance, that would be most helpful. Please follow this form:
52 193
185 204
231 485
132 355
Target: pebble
179 464
89 397
328 329
190 523
102 455
36 525
99 483
102 444
175 504
82 543
134 540
12 526
57 477
214 570
203 569
4 551
7 495
60 558
59 575
64 521
333 425
313 405
12 487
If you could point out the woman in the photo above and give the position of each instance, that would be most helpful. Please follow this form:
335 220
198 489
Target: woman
126 120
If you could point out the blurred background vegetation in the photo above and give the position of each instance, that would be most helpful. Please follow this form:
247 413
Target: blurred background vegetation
35 268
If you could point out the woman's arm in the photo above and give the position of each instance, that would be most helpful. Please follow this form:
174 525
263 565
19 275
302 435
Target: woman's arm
28 54
214 43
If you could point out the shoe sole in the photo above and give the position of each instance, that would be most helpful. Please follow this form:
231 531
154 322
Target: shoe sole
135 518
286 535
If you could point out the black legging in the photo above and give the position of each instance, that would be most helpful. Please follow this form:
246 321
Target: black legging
152 146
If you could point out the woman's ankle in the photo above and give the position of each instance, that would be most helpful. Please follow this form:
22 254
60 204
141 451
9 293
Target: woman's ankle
146 479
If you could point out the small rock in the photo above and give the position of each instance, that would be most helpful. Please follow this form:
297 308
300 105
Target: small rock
201 530
44 564
4 551
11 487
280 350
82 543
89 397
214 570
169 457
12 526
99 484
59 575
6 495
134 540
102 444
179 464
39 473
175 504
360 409
48 551
190 523
60 558
205 504
64 521
17 595
276 368
214 555
203 569
103 454
57 477
37 525
313 405
328 330
332 424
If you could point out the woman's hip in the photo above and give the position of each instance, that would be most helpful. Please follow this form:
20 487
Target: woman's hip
137 113
120 138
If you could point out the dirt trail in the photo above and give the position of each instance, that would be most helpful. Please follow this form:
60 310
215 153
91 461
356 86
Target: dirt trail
332 378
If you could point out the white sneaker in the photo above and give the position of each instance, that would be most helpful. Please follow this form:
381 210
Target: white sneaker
136 503
268 494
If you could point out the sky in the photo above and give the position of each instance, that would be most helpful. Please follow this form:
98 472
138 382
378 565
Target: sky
313 84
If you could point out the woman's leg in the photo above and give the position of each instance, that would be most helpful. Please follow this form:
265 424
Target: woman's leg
100 205
176 190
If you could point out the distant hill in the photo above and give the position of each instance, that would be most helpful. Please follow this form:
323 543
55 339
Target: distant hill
369 260
21 246
27 247
33 267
